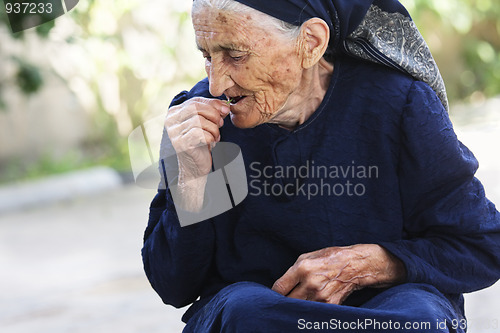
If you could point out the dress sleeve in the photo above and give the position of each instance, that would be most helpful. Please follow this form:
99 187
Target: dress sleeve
452 231
177 260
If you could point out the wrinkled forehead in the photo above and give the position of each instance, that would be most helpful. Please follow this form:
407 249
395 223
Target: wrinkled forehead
236 13
214 24
212 15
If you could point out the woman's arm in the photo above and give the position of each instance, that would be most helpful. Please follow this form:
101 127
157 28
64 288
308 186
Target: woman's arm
453 231
177 260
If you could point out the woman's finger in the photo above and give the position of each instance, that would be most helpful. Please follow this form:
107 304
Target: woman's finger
285 284
205 125
211 109
302 292
197 137
214 114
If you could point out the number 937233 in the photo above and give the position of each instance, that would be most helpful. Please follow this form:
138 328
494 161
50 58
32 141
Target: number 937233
28 8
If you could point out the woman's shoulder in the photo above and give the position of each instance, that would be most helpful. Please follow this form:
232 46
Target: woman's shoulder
374 76
369 88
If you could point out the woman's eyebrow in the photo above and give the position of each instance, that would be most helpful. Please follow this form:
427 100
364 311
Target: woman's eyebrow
218 48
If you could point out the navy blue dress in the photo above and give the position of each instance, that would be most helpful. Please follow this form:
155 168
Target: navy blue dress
382 150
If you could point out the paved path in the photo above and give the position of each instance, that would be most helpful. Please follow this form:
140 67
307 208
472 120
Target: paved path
75 266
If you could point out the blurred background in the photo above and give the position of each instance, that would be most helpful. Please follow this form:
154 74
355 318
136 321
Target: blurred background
73 90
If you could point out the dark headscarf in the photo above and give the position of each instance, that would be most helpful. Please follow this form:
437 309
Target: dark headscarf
380 31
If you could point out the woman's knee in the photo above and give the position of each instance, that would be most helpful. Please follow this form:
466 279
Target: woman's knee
245 297
422 305
246 306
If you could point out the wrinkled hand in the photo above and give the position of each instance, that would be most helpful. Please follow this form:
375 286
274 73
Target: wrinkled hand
330 275
193 130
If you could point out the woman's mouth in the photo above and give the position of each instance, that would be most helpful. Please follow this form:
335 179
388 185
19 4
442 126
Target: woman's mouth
234 100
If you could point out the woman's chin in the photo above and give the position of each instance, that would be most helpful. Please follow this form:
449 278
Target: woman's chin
243 121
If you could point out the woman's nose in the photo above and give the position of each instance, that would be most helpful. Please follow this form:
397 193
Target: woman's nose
219 79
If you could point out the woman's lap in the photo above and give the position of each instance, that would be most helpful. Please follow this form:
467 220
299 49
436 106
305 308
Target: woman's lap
246 307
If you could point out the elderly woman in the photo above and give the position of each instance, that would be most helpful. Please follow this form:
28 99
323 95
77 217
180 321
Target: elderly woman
397 227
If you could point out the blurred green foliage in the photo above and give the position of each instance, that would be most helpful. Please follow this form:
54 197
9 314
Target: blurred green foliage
28 77
468 43
121 64
104 146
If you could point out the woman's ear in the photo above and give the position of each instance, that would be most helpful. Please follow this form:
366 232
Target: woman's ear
313 41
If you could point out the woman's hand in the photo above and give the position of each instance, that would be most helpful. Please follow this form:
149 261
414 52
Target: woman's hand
330 275
193 129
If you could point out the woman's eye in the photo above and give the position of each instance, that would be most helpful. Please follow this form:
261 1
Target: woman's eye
236 56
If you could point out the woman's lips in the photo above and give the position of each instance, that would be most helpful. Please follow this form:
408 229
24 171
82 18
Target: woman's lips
236 99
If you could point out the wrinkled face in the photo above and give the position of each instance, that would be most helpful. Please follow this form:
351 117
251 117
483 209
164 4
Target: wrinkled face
259 69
